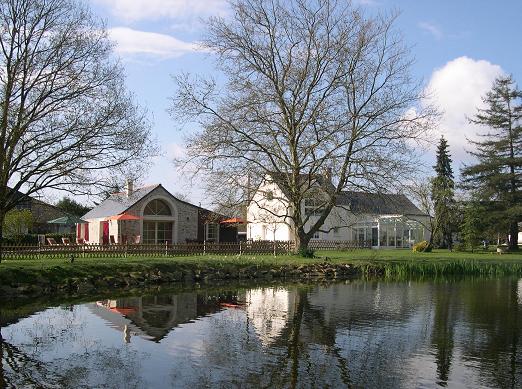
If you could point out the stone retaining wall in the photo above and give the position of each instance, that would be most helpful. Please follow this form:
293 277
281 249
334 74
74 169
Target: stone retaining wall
154 276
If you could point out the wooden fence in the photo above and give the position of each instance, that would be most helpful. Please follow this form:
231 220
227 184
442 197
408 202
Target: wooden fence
144 250
167 250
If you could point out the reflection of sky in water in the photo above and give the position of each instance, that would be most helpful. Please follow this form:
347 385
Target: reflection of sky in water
366 333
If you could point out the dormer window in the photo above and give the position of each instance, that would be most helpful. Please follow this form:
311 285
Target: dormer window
313 207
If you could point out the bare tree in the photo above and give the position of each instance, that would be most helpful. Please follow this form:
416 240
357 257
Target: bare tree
67 121
311 87
420 190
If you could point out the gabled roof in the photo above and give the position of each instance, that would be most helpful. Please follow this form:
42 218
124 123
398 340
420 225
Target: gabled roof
306 180
27 201
117 203
378 203
358 202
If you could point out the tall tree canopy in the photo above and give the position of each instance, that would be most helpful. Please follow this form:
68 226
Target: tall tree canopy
311 87
65 116
496 177
443 195
72 207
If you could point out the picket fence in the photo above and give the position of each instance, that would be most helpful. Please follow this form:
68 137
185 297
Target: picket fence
167 250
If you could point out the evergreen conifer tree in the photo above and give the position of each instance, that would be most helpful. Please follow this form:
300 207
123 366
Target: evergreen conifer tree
443 196
472 225
496 177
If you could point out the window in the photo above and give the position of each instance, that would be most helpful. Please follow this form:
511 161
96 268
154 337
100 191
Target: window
157 208
212 231
316 235
269 195
313 207
157 232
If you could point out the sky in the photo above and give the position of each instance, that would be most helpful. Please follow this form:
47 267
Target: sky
459 47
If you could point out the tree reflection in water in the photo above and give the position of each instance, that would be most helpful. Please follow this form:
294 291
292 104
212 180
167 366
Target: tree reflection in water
443 330
354 334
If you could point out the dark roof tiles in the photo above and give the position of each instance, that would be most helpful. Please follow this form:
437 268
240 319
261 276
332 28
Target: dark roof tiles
378 203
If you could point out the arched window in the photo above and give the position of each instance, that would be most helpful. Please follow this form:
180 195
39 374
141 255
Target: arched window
157 208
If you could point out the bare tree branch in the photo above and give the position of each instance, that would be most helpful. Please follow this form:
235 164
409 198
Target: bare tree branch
311 87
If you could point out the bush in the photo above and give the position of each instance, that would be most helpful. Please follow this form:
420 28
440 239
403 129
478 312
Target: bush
421 247
306 252
32 239
459 246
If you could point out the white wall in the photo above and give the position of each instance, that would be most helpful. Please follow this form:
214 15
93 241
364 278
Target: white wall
94 231
266 225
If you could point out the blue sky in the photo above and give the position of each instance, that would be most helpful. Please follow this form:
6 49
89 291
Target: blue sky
459 47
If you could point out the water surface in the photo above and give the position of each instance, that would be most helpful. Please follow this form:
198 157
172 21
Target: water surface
354 334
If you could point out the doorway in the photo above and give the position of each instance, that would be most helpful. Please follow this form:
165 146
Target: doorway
375 236
105 232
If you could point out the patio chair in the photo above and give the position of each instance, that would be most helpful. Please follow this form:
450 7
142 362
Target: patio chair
137 239
51 242
112 240
80 241
66 241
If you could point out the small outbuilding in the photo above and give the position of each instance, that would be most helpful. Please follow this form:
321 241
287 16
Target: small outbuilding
152 215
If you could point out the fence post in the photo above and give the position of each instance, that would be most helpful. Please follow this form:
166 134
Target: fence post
166 248
274 248
239 247
204 247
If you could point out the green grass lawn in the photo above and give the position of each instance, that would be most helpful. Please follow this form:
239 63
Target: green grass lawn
394 262
409 255
354 256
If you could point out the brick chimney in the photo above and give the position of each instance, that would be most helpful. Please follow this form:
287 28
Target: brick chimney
129 187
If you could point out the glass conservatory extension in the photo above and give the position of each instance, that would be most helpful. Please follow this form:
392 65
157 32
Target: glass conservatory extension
389 231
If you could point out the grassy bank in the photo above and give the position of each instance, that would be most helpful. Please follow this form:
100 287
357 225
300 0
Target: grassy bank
49 276
438 262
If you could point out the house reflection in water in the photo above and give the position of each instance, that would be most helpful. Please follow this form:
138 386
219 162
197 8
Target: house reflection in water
153 317
269 310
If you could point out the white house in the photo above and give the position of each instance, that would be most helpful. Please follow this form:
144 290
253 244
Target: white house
385 220
152 215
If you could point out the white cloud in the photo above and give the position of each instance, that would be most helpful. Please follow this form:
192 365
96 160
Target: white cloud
432 29
134 10
457 89
131 42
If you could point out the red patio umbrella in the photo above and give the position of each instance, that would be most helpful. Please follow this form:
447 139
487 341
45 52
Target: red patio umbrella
123 216
234 220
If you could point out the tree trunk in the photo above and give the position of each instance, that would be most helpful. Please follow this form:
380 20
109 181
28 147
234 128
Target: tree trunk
434 231
301 241
2 217
513 232
449 241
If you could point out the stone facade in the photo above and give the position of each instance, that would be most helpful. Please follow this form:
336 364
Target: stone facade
186 219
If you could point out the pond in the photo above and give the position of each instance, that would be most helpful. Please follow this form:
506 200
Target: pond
358 333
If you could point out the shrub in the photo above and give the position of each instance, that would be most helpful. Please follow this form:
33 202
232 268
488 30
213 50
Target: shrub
16 224
32 239
306 252
459 246
420 247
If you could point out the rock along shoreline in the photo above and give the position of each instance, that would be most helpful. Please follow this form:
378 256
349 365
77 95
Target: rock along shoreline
49 283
